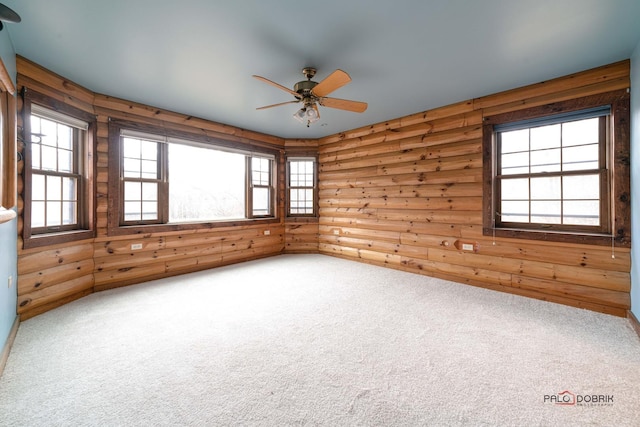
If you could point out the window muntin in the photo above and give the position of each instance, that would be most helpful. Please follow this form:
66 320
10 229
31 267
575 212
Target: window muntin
552 173
301 182
168 180
57 143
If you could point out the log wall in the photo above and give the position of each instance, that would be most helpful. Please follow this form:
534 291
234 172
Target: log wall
52 276
403 194
408 192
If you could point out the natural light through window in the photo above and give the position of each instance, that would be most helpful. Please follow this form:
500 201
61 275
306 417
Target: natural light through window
301 186
552 174
55 178
183 182
205 184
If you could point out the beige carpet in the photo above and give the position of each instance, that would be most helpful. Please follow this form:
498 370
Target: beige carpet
315 340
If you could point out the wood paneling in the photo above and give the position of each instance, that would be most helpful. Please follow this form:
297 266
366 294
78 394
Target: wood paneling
54 275
402 193
301 236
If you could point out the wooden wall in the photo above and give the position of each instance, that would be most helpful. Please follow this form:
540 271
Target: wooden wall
51 276
403 193
400 194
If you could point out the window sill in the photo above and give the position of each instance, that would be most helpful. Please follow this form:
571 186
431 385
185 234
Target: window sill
6 215
561 237
49 239
164 228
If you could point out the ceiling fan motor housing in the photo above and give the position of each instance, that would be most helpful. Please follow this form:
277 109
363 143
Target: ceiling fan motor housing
304 87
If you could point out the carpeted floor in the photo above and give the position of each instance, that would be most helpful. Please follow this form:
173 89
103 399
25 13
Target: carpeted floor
316 340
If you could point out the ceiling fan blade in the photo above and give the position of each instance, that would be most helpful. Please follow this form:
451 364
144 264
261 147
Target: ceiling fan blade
333 81
8 15
344 104
277 105
296 94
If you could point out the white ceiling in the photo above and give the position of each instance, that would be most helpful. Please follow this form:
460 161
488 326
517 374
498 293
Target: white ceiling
405 56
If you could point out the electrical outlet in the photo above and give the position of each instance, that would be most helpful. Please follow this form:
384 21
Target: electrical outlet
136 246
336 231
467 247
267 232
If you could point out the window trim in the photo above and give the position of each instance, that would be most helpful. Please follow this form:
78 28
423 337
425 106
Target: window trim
304 157
87 188
619 171
114 227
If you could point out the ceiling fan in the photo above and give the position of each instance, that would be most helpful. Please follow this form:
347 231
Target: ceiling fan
311 93
7 15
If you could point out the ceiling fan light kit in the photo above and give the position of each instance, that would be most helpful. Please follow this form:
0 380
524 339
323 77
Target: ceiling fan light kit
312 93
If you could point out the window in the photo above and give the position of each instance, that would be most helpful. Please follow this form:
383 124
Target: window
58 172
301 186
180 180
556 174
261 186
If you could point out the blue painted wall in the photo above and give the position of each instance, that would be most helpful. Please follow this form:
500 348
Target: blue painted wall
635 182
8 231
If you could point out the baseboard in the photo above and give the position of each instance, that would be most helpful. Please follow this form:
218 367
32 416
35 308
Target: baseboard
4 356
635 324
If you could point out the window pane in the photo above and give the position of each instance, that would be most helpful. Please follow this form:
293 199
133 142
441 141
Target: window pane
49 158
37 187
583 157
514 141
132 211
581 187
65 140
149 210
65 161
69 213
301 173
35 156
35 126
586 212
50 133
37 214
131 148
546 212
261 201
545 137
515 189
515 163
545 161
69 189
205 184
131 168
54 213
260 171
580 132
149 191
547 188
515 211
149 150
54 188
301 201
132 191
150 169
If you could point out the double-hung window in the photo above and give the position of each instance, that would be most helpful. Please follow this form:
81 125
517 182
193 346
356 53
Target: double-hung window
555 173
180 181
301 182
58 173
